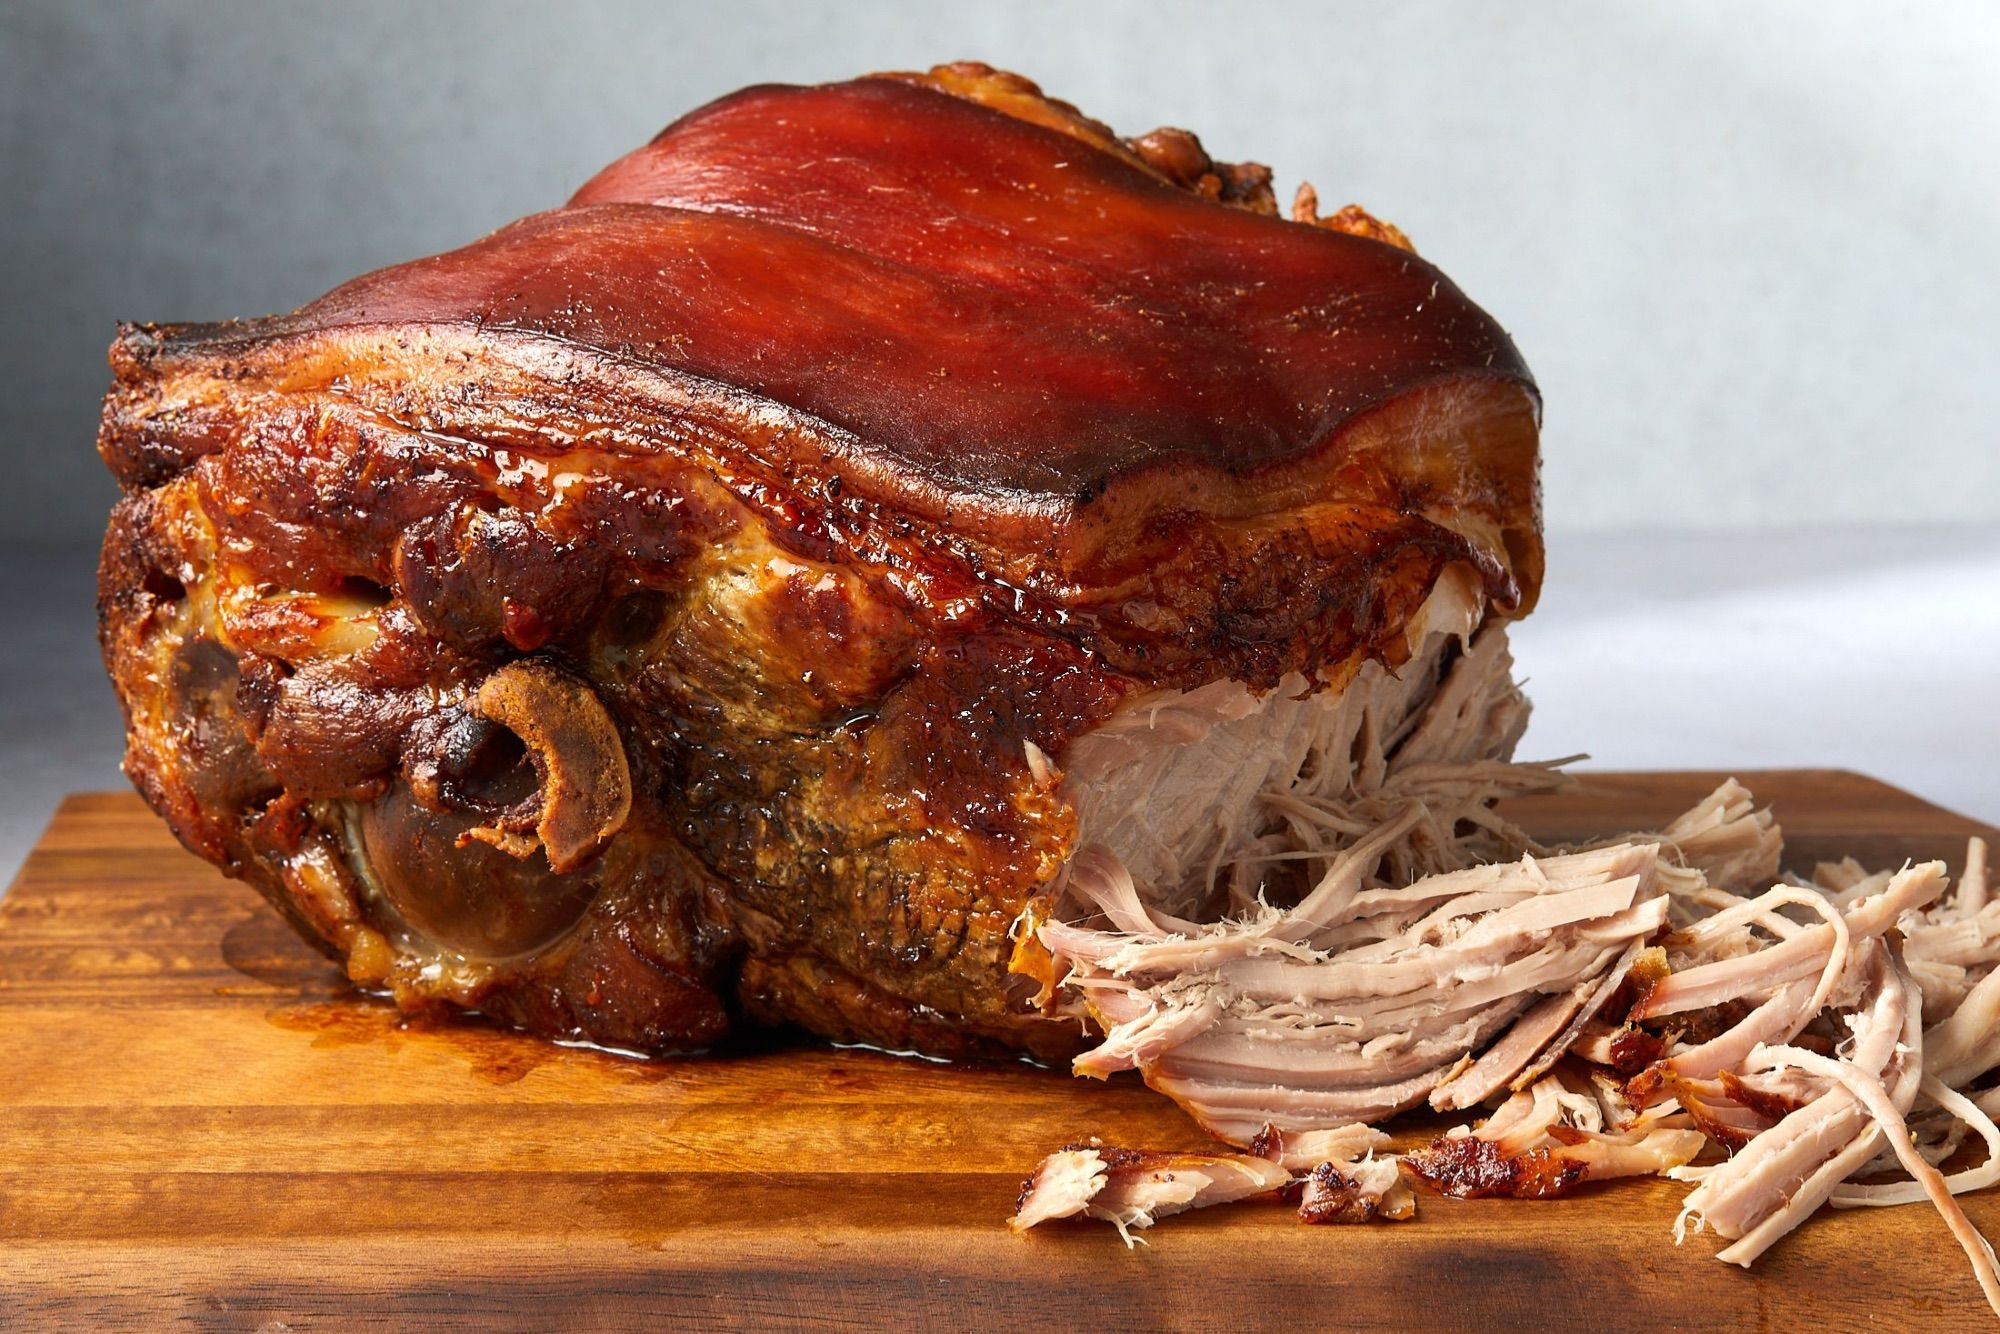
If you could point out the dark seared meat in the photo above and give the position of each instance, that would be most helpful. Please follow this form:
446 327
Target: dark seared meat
652 612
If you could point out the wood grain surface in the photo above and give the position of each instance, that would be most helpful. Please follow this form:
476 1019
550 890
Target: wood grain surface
201 1125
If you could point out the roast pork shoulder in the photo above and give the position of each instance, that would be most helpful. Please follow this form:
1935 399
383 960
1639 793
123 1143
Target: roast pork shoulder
867 531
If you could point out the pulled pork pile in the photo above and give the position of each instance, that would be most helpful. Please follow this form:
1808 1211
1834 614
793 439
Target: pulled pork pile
1624 1009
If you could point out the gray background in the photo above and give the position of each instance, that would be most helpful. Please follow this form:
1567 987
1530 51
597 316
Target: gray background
1751 251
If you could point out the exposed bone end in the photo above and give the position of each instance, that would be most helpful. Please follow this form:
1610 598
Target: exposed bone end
586 783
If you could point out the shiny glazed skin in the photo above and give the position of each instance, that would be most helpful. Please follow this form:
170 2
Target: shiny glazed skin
817 459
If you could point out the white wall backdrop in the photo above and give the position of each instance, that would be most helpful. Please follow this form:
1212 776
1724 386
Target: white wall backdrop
1752 250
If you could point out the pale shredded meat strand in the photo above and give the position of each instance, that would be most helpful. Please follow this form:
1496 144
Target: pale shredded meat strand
1357 931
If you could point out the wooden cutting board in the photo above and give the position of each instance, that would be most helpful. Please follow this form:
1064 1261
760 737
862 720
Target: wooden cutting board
199 1123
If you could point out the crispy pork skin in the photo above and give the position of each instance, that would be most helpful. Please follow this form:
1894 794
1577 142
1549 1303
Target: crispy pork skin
680 607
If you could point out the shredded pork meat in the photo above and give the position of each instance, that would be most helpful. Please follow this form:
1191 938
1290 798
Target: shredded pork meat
1337 1173
1351 931
1207 798
1132 1188
1358 1004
